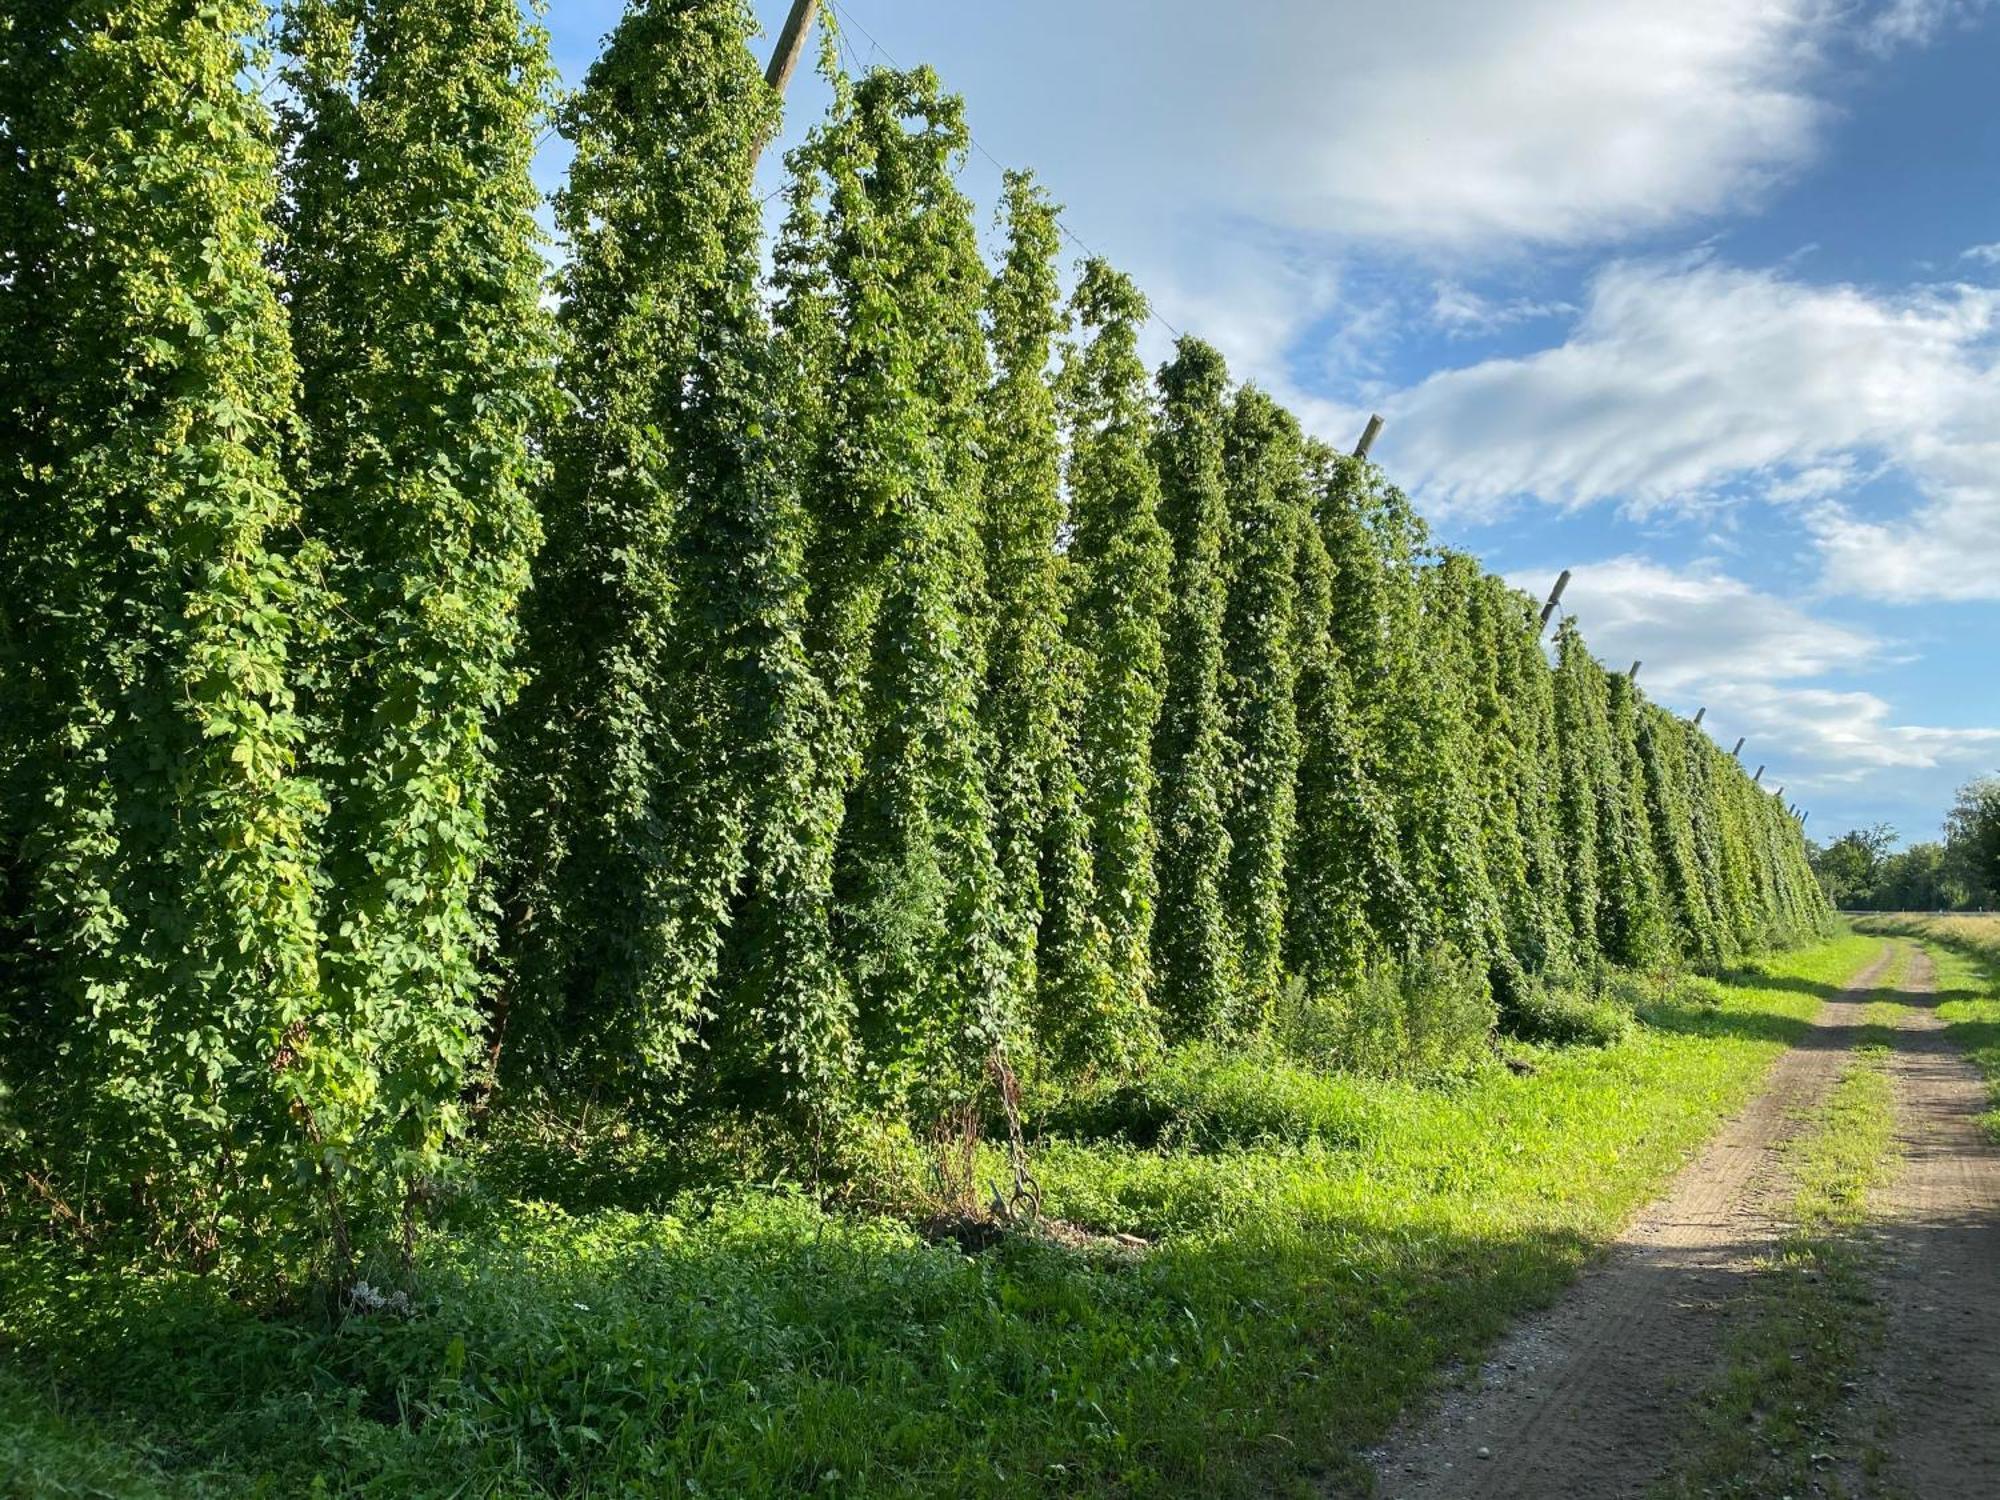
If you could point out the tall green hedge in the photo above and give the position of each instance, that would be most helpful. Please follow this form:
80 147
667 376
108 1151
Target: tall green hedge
1060 949
1119 562
1195 955
1267 505
161 1020
908 691
413 268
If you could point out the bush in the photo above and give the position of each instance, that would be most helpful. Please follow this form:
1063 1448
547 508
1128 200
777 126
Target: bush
1205 1098
1424 1018
1698 990
1568 1018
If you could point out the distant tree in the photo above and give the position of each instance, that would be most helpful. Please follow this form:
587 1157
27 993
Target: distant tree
1972 839
1850 867
1918 879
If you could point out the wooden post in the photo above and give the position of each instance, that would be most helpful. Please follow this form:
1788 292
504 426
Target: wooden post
785 56
1368 436
1700 714
1633 675
1740 739
1758 777
1803 816
1555 598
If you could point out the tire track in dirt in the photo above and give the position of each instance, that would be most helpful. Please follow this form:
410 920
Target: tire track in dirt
1938 1222
1586 1399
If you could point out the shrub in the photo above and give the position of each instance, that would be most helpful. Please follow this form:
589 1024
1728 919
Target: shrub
1208 1097
1567 1018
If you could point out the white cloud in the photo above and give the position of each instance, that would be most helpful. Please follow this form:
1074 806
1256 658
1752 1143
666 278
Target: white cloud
1558 121
1702 625
1821 737
1685 379
1461 312
1246 295
1815 482
1989 254
1914 22
1432 122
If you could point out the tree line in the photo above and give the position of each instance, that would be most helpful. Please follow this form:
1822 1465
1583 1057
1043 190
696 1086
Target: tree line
1863 870
815 693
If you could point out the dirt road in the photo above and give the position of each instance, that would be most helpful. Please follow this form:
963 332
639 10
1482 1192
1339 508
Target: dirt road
1940 1217
1588 1399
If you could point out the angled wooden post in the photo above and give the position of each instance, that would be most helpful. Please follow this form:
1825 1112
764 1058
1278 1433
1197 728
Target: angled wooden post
785 56
1740 740
1555 598
1368 436
1700 714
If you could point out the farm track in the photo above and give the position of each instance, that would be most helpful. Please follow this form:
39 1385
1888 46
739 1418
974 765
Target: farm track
1590 1397
1939 1220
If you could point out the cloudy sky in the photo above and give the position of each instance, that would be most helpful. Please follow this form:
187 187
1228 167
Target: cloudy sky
1700 299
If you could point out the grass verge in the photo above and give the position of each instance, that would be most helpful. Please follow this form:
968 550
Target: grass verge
1315 1257
1773 1423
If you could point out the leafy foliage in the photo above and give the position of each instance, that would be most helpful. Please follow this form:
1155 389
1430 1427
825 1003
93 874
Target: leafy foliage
923 928
625 839
1120 560
1344 881
1267 508
1047 876
412 265
1195 953
161 1018
884 719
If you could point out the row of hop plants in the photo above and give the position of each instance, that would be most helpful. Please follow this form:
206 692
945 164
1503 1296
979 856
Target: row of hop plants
813 693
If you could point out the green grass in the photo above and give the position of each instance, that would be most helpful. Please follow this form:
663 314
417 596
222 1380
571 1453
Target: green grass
45 1456
1770 1426
1320 1248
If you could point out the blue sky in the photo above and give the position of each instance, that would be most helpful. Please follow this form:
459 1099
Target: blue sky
1701 300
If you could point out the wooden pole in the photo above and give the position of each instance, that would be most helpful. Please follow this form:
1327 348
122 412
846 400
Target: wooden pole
791 44
1758 777
1555 598
1368 436
785 56
1740 740
1700 714
1633 675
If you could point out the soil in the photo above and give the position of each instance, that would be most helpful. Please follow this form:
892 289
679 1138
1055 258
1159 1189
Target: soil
1939 1380
1589 1398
